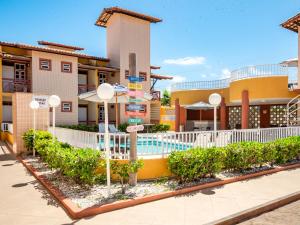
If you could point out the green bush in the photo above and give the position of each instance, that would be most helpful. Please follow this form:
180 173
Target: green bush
29 138
196 163
159 128
123 169
243 155
122 127
76 163
83 127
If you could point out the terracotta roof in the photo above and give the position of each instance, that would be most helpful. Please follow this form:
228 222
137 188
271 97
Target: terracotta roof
51 50
108 12
59 45
154 67
161 77
15 57
292 23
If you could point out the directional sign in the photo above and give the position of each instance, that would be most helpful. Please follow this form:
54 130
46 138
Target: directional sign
135 128
135 100
135 93
135 120
135 86
134 107
42 100
135 113
134 79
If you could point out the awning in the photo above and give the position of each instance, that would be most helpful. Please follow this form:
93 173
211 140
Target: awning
199 106
290 62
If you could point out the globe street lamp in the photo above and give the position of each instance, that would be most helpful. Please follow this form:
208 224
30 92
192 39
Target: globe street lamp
215 100
34 105
106 92
53 101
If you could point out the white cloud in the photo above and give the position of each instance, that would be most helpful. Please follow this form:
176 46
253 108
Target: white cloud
225 73
177 79
186 61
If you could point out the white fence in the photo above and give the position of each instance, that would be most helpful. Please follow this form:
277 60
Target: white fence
267 70
161 144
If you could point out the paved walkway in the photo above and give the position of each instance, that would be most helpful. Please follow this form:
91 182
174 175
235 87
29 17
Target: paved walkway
24 202
289 214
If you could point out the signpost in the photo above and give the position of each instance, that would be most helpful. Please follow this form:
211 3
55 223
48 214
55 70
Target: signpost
134 128
42 100
135 86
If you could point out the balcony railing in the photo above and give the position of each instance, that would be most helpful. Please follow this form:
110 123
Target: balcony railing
82 88
268 70
155 95
12 85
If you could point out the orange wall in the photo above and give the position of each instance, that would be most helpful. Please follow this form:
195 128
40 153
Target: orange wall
192 96
261 88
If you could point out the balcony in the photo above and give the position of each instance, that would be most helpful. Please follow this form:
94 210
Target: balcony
268 70
155 95
83 88
11 85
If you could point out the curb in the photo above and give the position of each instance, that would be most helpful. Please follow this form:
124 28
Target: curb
77 213
257 210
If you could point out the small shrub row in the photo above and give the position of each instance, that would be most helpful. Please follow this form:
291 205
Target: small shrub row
199 162
76 163
83 127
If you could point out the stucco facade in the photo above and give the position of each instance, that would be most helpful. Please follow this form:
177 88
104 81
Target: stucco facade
65 85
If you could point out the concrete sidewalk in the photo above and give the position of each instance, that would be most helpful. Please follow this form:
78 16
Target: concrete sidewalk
24 201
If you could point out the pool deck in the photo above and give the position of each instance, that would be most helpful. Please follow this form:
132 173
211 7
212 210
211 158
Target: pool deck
24 201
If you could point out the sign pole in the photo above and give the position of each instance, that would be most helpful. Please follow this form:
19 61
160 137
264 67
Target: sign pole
133 135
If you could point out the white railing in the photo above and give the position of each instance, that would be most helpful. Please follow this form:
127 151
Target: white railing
161 144
7 127
201 85
267 70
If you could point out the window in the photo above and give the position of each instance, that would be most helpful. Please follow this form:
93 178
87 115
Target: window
126 74
143 75
102 76
66 67
66 106
45 64
101 113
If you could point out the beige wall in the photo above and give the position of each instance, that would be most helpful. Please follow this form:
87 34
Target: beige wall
65 85
126 35
23 119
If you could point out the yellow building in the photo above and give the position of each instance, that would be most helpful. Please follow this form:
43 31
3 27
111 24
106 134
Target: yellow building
252 97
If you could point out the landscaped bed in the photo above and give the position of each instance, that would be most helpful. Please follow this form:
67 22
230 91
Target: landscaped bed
78 173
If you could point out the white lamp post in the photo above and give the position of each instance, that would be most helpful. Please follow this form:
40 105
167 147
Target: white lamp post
53 101
215 100
106 92
34 105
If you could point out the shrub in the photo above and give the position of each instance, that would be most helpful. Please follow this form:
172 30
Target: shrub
243 155
122 127
196 163
123 169
28 138
83 127
286 149
159 128
76 163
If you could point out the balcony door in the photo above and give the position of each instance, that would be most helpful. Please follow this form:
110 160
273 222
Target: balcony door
102 77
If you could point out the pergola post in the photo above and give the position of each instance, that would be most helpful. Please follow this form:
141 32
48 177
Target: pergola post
223 114
177 115
245 109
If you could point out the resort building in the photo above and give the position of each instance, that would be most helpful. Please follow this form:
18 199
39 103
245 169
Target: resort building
63 70
252 97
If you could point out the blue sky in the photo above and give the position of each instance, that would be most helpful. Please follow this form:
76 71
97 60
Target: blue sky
197 40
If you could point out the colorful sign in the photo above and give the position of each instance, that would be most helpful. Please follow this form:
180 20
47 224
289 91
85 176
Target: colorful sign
135 100
134 79
135 93
135 86
135 113
134 107
135 128
42 100
135 120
